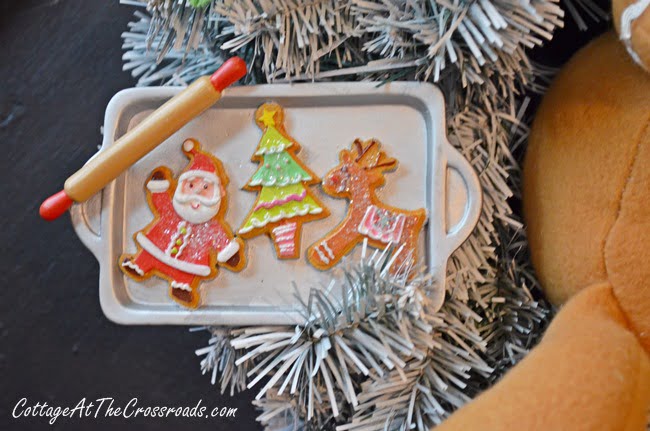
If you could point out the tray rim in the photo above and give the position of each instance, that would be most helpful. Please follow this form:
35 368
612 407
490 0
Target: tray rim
446 156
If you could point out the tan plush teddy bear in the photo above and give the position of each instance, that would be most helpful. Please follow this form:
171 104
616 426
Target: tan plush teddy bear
587 209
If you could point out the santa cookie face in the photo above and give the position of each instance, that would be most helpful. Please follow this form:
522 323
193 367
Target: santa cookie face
188 239
198 197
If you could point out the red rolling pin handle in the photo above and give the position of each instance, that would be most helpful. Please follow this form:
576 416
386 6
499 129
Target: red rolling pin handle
54 206
230 72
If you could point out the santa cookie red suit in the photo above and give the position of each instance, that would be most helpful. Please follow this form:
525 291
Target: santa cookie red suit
188 237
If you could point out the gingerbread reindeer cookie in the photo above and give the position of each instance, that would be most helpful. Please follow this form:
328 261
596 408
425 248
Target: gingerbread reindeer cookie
188 238
359 173
284 201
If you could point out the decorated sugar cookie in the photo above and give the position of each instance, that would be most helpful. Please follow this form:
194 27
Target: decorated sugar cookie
361 171
188 238
284 200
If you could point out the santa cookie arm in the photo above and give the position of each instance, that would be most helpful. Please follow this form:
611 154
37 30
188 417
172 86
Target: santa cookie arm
158 188
230 250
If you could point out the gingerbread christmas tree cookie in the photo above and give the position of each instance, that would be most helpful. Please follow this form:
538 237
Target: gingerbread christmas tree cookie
284 200
188 238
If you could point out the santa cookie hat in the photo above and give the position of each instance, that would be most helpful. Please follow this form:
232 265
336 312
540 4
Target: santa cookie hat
201 165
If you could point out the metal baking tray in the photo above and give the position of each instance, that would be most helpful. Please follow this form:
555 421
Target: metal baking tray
408 119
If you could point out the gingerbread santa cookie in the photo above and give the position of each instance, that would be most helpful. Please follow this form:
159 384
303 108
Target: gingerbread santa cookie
188 238
359 173
284 201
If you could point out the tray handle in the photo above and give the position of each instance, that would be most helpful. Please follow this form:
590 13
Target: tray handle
86 220
458 233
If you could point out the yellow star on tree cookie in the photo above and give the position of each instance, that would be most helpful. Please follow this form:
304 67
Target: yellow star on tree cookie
267 117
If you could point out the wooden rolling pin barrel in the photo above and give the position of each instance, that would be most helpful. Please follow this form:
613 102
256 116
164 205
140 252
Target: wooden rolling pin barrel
151 132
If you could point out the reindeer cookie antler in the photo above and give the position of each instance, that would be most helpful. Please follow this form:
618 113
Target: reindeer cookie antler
359 173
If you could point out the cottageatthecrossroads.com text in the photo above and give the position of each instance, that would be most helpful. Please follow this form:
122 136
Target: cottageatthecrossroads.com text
110 408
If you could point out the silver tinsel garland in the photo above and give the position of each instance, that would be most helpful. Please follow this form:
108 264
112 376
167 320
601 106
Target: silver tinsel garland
377 357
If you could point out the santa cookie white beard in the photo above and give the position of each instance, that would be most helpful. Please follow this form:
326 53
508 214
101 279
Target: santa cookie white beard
194 207
188 238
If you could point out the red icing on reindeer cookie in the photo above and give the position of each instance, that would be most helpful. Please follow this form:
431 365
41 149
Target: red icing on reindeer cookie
188 238
360 172
284 201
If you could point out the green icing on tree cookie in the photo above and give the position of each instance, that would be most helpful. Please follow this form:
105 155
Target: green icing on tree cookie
272 142
279 169
281 182
264 216
271 195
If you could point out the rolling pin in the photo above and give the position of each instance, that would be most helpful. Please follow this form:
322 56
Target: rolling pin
137 142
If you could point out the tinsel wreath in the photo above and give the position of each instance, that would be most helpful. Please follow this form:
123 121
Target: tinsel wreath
376 356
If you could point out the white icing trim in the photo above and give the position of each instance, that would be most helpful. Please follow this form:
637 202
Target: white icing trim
130 264
631 13
385 237
287 181
173 238
198 173
285 238
272 149
228 251
182 286
191 268
321 255
172 242
362 228
158 186
255 223
328 249
188 145
284 228
286 250
186 240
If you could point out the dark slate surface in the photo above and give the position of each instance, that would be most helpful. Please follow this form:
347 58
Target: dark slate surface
60 63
